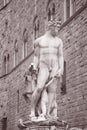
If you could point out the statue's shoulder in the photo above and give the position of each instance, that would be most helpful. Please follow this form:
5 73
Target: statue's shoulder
37 41
59 40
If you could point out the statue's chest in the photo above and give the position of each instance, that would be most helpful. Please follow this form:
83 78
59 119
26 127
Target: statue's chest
47 43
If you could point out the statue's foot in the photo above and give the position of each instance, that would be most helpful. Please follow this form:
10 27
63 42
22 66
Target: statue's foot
32 117
42 118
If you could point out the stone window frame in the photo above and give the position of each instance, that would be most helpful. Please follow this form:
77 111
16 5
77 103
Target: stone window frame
25 43
63 83
6 63
36 27
49 14
18 100
15 53
51 11
4 123
69 8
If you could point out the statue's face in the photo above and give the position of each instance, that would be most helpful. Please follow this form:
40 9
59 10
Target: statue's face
52 27
53 30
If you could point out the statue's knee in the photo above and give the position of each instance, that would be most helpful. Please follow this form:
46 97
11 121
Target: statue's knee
54 105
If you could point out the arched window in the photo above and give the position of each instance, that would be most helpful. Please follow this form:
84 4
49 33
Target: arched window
25 42
53 11
15 53
36 25
35 31
63 84
6 63
49 14
4 123
73 7
69 8
18 100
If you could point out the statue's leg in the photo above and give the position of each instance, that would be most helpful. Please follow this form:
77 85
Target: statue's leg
52 105
43 105
51 96
54 109
42 78
52 87
44 101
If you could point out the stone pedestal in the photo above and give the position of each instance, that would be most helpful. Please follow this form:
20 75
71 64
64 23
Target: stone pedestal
42 125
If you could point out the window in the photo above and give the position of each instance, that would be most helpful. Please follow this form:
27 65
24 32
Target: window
36 28
15 53
49 15
6 63
73 7
51 12
4 123
69 8
17 100
63 84
25 42
35 31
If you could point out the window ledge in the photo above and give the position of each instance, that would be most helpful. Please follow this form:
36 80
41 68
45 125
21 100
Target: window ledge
73 16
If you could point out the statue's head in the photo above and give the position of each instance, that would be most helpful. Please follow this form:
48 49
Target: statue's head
53 26
54 23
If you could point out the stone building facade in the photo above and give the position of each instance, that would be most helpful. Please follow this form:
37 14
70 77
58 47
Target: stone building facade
21 21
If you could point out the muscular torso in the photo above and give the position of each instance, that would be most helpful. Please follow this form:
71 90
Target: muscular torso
49 50
49 46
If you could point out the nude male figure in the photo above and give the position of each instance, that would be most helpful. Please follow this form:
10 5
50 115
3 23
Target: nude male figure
48 57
